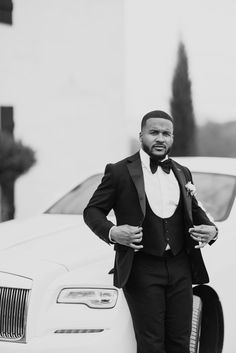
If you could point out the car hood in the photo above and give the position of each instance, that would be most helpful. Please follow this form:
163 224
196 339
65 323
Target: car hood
48 243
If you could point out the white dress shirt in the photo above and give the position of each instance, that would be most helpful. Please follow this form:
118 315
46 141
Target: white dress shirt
162 189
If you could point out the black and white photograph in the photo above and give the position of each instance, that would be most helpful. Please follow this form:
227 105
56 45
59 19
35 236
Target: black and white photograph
117 176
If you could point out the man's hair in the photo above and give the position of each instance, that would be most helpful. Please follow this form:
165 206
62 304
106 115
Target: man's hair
156 114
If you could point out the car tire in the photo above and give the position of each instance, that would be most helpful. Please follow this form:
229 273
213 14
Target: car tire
196 325
212 321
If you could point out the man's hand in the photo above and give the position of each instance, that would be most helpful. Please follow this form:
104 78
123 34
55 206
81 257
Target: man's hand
203 234
127 235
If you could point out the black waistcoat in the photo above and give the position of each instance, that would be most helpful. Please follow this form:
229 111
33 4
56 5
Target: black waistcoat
157 231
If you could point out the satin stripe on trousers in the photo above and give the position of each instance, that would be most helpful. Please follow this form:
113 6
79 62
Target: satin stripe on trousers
159 296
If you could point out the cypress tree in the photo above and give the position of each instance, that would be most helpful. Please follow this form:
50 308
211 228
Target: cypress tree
182 108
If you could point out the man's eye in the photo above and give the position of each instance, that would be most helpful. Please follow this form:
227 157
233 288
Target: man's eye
164 133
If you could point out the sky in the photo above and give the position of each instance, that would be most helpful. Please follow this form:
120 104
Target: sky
208 29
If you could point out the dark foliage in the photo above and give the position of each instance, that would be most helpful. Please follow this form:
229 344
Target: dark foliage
182 108
15 158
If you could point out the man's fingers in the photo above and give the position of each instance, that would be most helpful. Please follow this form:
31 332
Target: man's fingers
200 245
199 237
202 234
137 230
202 229
136 247
138 240
127 235
197 229
137 236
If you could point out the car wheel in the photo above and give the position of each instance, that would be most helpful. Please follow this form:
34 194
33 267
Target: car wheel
212 322
196 324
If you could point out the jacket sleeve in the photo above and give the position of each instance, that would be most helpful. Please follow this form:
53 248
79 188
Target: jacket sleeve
100 204
199 214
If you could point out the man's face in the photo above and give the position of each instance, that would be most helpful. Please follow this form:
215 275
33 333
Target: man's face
156 137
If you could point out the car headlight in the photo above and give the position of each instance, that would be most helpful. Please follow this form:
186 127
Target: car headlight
92 297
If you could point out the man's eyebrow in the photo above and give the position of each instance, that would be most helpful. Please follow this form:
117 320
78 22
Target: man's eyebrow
161 130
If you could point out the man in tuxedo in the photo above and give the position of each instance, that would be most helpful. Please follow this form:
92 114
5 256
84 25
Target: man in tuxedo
158 237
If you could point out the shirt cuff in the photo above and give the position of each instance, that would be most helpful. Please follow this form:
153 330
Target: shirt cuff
109 235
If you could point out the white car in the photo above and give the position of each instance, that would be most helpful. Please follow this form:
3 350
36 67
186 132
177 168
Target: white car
56 285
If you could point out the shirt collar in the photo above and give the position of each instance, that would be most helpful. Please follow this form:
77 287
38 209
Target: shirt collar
145 159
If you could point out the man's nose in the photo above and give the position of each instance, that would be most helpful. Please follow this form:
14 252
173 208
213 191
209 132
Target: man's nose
159 137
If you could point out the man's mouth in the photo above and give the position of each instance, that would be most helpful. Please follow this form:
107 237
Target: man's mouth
159 148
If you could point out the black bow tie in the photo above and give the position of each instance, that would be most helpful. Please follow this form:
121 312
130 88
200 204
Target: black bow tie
165 165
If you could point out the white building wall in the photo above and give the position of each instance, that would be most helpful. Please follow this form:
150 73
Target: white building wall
62 68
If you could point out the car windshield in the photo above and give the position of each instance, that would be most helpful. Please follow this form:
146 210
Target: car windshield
75 201
216 193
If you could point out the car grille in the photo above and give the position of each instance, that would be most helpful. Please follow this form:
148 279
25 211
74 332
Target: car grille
13 311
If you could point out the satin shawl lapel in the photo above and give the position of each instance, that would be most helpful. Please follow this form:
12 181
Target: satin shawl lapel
136 173
180 176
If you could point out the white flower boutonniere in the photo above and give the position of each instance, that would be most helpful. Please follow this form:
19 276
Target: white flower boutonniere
191 189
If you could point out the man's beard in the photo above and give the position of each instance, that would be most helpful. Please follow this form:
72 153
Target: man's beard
154 156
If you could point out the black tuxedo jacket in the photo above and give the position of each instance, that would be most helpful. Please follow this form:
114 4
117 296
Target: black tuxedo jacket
122 189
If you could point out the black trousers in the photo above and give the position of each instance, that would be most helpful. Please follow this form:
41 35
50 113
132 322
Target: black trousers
159 296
